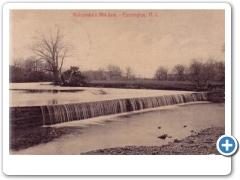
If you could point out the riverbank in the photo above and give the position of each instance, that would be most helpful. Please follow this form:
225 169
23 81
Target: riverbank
139 84
25 137
154 84
201 143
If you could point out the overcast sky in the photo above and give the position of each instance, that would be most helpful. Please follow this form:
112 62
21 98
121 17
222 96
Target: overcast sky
143 43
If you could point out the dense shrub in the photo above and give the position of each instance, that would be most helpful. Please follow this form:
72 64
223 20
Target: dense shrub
74 78
21 75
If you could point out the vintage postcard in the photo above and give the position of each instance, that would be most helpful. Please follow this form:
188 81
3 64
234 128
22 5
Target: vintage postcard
119 79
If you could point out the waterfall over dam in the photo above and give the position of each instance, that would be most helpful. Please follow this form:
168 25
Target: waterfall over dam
54 114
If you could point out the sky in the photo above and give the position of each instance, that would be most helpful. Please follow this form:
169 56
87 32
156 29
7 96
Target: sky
156 38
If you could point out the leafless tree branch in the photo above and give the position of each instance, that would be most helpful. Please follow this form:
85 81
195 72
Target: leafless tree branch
52 49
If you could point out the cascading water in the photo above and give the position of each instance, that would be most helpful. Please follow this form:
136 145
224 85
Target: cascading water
54 114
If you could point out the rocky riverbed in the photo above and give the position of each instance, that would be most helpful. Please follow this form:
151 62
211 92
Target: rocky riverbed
24 137
201 143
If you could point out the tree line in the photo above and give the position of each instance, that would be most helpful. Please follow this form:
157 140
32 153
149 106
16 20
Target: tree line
111 72
51 51
198 72
29 70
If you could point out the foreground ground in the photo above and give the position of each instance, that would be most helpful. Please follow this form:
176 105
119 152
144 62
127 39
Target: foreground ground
22 138
201 143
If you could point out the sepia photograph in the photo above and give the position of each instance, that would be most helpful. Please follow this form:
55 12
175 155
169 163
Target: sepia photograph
116 81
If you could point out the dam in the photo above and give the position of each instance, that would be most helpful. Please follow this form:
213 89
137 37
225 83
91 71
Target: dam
101 103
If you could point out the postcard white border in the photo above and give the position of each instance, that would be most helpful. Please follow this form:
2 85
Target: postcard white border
114 165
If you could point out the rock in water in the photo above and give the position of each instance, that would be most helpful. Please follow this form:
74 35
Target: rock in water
177 141
163 136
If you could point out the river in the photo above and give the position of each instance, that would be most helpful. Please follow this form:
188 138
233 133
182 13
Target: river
140 128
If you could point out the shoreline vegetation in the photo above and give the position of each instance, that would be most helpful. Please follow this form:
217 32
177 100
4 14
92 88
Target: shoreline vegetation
198 143
156 85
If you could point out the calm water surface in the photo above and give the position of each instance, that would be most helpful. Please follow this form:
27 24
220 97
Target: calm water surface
34 94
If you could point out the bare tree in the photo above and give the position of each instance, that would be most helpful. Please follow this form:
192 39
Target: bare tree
179 70
19 63
129 73
220 71
201 73
29 64
114 71
161 73
101 73
53 50
32 64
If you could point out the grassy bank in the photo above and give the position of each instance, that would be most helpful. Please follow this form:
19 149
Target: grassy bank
150 84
